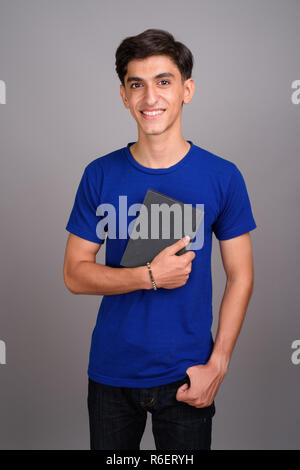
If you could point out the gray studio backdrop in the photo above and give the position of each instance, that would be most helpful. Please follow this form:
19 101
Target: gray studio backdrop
61 110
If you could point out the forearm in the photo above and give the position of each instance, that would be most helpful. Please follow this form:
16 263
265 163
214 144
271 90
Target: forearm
232 313
96 279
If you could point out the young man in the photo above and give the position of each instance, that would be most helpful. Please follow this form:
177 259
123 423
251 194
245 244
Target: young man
152 349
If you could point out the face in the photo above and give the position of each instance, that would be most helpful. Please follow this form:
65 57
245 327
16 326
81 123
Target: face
154 85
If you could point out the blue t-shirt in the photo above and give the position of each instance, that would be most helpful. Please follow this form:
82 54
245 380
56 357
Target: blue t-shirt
147 338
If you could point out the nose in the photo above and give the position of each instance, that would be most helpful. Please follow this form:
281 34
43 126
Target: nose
151 95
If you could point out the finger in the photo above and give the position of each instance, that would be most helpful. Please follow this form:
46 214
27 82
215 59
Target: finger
188 257
181 392
183 387
177 246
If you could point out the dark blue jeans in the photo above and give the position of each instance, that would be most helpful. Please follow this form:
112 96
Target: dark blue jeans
118 415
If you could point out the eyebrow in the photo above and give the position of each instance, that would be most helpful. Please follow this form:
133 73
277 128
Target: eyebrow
160 75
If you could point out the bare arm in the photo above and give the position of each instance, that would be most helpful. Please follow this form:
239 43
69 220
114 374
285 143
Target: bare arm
238 264
205 379
82 275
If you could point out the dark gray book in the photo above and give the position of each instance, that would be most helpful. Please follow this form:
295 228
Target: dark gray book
157 226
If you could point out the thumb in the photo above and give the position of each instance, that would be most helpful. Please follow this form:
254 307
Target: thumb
182 389
173 249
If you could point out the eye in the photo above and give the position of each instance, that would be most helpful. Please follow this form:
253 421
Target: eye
133 84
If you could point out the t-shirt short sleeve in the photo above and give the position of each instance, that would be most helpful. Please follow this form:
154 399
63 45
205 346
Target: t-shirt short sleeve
236 217
83 219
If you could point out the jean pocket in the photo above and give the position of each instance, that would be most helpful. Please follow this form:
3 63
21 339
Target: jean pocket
211 409
180 382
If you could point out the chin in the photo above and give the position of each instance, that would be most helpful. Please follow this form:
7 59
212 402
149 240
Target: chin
153 131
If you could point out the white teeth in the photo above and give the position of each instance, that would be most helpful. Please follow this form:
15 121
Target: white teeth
152 113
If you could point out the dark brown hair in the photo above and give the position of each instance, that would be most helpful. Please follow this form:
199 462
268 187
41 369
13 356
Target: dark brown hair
153 42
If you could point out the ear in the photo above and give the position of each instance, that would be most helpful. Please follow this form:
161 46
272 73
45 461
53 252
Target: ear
123 96
189 89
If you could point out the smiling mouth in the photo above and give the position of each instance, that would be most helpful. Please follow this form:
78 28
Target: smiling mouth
152 115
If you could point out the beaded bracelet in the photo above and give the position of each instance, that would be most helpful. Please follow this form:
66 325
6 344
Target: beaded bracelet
151 276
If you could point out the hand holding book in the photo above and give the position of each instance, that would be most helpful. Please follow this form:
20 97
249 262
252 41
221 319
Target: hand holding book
169 270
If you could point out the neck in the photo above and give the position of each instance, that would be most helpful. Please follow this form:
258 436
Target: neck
158 153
